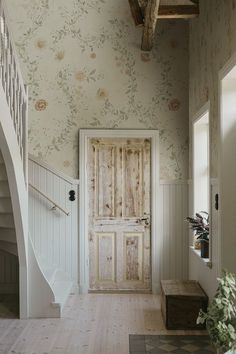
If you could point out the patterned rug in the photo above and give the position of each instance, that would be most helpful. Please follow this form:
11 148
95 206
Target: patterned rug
156 344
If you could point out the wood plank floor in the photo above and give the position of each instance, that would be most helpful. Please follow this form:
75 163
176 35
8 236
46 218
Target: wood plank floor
91 324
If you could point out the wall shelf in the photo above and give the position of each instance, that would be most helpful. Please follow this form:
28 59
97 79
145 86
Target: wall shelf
197 253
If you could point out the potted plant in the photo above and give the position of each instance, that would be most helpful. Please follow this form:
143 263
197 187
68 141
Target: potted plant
200 225
220 317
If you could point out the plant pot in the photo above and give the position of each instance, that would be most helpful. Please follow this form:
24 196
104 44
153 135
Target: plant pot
231 352
204 249
196 243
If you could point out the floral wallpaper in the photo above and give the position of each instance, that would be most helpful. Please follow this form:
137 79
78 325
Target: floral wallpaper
84 67
212 43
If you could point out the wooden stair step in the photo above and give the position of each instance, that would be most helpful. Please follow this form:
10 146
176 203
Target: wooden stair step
9 247
7 220
7 235
4 189
3 173
5 205
1 158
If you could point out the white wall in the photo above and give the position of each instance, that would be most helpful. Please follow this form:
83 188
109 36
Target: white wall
174 232
198 269
54 235
228 172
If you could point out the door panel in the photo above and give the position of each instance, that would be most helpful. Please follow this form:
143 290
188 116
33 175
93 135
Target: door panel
133 256
119 214
105 253
132 187
104 192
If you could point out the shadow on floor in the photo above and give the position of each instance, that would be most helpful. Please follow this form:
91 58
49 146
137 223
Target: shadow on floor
9 306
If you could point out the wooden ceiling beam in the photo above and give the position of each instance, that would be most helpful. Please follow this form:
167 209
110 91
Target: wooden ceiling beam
136 12
150 20
178 11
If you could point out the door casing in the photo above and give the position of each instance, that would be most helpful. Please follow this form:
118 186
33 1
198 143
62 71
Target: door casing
84 136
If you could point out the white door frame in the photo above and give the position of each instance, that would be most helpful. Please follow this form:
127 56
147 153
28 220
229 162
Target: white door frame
84 136
222 74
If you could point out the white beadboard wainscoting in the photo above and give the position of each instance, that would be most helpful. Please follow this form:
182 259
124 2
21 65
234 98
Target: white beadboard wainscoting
198 268
174 229
54 235
9 273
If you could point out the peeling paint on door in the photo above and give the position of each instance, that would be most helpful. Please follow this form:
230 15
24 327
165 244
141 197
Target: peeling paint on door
119 214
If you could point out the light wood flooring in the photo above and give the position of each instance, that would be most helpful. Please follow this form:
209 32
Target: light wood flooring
91 324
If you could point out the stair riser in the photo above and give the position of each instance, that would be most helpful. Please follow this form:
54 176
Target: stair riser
4 189
9 247
5 205
8 236
6 221
1 159
3 173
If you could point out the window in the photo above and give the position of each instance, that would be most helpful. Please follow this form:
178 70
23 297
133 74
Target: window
201 183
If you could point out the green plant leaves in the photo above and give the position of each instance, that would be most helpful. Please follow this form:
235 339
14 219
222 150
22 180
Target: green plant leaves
220 317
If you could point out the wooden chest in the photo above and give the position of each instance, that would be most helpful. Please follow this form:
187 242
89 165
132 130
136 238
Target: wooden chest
181 302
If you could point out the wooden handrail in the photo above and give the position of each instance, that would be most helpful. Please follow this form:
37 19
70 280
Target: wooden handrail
55 205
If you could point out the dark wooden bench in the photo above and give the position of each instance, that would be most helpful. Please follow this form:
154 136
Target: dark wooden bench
181 302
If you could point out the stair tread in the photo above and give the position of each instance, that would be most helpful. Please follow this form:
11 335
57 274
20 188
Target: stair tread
5 206
9 247
10 227
4 189
8 240
3 173
4 227
8 235
7 220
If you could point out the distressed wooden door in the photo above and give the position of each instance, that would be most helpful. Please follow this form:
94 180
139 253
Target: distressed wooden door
119 214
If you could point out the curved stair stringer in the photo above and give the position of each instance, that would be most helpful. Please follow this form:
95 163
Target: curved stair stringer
30 274
59 282
42 299
19 198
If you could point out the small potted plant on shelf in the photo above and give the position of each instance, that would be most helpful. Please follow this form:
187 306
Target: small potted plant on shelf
200 226
220 317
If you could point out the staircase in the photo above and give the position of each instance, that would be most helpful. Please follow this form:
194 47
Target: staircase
43 288
7 227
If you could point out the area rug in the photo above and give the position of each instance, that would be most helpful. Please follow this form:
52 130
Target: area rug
156 344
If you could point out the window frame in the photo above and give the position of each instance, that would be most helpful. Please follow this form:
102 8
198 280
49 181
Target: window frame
205 109
204 112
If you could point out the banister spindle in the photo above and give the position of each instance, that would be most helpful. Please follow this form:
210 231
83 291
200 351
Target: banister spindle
15 91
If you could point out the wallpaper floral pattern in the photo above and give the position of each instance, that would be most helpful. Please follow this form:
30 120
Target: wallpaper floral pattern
84 67
212 43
